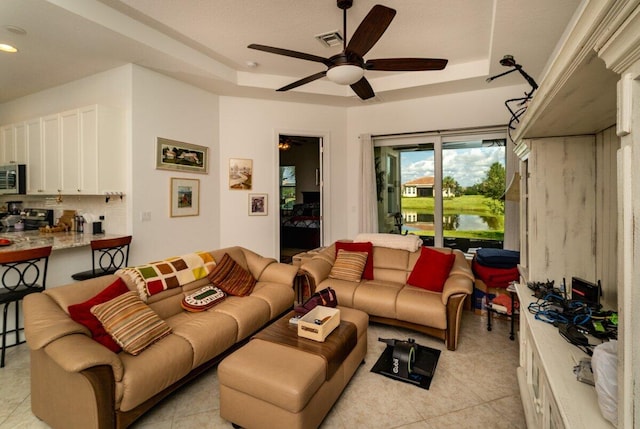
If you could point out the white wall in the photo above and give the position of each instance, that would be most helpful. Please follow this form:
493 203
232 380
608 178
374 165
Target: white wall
249 129
234 127
443 112
164 107
110 88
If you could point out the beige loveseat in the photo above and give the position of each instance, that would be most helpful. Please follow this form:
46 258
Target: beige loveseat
389 299
79 383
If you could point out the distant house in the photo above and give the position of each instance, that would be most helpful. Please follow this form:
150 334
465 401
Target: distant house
422 187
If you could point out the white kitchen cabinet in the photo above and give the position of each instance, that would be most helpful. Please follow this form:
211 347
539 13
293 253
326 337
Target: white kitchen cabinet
76 152
70 168
103 149
35 178
18 153
50 155
13 144
6 140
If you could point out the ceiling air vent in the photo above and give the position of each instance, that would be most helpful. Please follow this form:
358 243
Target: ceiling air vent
331 39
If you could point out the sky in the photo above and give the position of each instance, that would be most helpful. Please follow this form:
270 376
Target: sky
466 166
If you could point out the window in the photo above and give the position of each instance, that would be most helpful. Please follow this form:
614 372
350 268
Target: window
287 187
448 189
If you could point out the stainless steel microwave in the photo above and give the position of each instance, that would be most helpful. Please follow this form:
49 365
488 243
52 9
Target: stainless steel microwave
13 179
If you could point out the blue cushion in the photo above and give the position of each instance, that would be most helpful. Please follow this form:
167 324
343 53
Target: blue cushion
498 258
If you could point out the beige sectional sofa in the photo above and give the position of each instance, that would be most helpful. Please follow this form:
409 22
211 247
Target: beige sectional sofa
78 383
387 298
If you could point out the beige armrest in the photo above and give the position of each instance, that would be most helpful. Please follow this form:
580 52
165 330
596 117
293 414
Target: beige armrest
461 266
279 273
45 321
317 269
75 353
456 283
256 263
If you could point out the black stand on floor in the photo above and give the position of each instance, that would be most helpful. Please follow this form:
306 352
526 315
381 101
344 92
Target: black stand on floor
512 317
423 365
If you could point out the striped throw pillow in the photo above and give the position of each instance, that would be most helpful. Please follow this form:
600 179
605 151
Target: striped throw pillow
130 322
348 265
229 276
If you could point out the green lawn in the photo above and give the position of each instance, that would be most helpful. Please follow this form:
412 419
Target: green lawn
466 204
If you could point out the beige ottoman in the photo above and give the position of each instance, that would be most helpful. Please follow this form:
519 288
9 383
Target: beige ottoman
268 385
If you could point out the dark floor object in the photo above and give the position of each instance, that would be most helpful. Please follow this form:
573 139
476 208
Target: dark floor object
426 360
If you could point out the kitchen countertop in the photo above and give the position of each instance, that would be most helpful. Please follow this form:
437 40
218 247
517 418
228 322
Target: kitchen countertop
22 240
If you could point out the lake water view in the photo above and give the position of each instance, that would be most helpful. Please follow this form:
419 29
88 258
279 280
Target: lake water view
423 220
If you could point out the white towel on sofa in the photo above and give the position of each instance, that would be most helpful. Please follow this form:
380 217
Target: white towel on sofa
394 241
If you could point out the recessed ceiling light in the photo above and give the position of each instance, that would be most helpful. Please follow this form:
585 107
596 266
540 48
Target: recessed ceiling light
8 48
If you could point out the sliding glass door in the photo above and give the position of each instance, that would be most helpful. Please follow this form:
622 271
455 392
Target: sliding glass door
448 189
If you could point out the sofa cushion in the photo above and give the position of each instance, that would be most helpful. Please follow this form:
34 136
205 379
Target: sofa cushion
367 274
431 270
131 323
81 313
147 374
377 298
421 306
197 329
229 276
348 265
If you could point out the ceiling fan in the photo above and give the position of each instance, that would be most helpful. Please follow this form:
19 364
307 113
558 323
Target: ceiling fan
348 67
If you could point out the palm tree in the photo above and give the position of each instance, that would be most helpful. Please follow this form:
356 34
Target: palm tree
450 186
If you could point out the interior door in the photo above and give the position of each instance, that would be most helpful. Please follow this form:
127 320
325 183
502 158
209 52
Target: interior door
300 173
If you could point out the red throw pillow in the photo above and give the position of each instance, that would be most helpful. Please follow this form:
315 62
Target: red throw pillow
431 270
367 274
81 313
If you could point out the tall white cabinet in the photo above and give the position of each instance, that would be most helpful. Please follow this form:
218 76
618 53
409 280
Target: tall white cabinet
591 87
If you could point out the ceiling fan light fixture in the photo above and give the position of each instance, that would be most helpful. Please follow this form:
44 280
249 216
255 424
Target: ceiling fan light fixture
4 47
345 74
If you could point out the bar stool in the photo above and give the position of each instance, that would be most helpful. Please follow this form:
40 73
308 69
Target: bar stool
107 256
24 272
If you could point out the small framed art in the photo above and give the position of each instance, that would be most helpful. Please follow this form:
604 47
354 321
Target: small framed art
258 204
240 174
175 155
185 197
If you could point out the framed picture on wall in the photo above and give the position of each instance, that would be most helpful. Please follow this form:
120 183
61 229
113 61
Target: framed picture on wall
185 197
240 174
258 204
175 155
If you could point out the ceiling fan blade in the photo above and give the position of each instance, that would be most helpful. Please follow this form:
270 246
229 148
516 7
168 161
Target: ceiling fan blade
370 30
363 89
303 81
406 64
290 53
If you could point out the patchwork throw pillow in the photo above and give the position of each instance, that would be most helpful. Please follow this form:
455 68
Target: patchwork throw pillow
229 276
81 313
348 266
367 274
431 270
131 323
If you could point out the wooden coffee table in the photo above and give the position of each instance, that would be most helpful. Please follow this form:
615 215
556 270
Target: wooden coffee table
334 349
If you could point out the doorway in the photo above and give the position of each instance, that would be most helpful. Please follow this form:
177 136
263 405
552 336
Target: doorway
300 173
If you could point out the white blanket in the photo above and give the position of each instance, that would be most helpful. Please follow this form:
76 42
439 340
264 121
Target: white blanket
394 241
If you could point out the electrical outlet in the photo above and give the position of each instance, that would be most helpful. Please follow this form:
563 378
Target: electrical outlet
145 217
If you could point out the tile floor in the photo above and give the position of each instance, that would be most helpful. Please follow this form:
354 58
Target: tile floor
473 387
